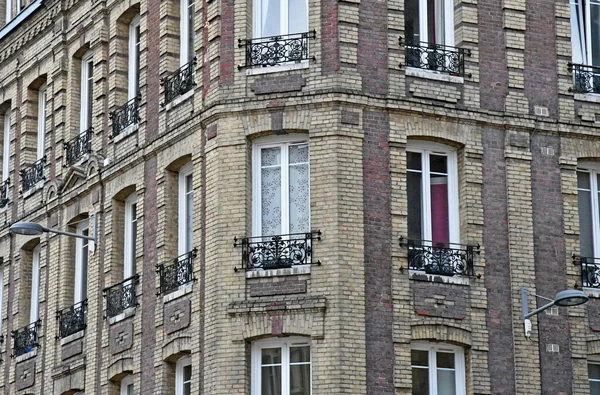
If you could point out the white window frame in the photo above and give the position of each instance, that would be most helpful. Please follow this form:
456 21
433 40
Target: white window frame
284 344
1 297
593 360
186 31
34 302
581 55
134 58
85 122
41 136
459 364
179 377
80 244
183 230
425 148
18 6
270 142
283 14
6 148
129 245
125 383
448 23
593 170
8 10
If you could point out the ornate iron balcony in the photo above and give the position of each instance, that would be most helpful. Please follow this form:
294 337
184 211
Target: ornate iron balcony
590 271
180 272
126 115
277 252
121 296
4 187
79 146
26 338
73 319
277 50
430 56
32 174
179 82
586 79
441 259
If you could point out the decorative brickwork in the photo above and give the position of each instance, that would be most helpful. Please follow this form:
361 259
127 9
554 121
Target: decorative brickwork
436 300
286 287
177 315
278 84
25 375
121 337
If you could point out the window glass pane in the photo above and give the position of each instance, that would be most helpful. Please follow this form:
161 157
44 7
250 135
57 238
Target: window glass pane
271 356
270 156
299 354
84 266
583 180
446 382
271 380
440 224
445 360
191 10
89 99
300 379
413 160
299 196
420 381
187 380
298 16
586 241
595 32
133 236
594 371
411 21
271 18
439 36
189 207
130 389
594 387
415 204
271 191
419 358
438 164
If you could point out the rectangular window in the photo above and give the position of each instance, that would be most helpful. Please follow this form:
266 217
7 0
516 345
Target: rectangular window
129 249
429 21
279 17
127 385
187 32
281 367
81 264
186 210
183 376
134 58
281 188
41 122
437 369
1 297
87 86
585 31
6 149
594 377
35 285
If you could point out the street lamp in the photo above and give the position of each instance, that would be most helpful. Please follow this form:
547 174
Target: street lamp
568 297
33 228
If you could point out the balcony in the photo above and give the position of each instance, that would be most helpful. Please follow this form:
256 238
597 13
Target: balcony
26 338
435 57
72 320
126 115
178 273
586 79
276 50
442 259
33 174
121 296
179 82
277 252
4 187
78 146
590 271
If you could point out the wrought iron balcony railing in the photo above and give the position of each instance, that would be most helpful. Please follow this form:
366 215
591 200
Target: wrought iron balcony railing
32 174
121 296
126 115
78 146
179 82
277 50
277 252
72 319
26 338
586 79
441 259
437 57
590 270
180 272
4 187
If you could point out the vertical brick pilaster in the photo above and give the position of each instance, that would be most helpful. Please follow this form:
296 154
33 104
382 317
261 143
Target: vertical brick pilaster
378 262
152 71
330 42
372 47
149 277
227 48
550 261
497 271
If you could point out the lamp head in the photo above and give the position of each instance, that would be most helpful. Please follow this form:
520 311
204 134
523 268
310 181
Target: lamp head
27 228
570 297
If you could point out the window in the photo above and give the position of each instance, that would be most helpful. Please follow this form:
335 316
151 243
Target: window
87 86
81 263
281 366
8 10
281 190
1 296
134 58
186 210
127 385
430 21
278 17
183 376
129 248
594 377
35 285
41 141
187 32
6 153
437 369
585 31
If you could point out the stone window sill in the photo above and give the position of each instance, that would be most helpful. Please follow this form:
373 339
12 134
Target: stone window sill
433 75
419 275
277 69
125 314
26 356
73 337
180 99
589 97
592 292
39 185
183 290
292 271
129 130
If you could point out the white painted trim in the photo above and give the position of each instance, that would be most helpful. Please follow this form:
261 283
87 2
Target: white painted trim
183 230
6 147
20 18
459 363
125 382
134 55
73 337
86 100
129 245
283 343
41 127
420 275
34 301
182 290
8 5
179 366
593 170
80 260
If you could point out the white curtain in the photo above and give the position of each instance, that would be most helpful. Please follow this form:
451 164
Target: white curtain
299 189
270 18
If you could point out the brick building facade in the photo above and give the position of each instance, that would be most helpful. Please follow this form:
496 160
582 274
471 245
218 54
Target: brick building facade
335 197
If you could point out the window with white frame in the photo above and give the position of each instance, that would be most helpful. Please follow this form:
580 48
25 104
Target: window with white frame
430 21
134 58
6 149
8 10
87 86
34 302
186 210
1 296
81 263
129 248
281 366
432 193
186 53
41 137
279 17
281 185
127 385
585 31
183 376
594 376
437 369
